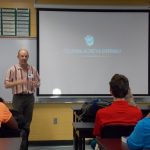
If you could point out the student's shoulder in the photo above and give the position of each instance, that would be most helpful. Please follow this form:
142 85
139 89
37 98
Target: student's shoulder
141 124
134 107
3 106
106 109
145 120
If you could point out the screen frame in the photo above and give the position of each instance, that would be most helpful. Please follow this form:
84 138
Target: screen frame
90 10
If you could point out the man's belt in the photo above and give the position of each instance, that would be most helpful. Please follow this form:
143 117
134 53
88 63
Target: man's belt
23 94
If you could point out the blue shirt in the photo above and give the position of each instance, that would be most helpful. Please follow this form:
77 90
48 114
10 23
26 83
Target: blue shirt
140 137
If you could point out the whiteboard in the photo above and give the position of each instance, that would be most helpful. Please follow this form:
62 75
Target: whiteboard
9 48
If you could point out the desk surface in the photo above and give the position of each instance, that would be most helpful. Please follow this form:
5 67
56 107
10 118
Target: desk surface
112 144
83 125
76 108
83 129
10 143
145 109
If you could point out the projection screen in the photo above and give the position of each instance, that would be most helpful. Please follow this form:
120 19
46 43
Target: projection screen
80 50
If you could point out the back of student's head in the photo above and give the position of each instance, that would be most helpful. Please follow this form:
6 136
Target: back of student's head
119 86
1 99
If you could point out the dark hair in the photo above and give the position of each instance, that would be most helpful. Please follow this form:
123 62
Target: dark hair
1 99
119 86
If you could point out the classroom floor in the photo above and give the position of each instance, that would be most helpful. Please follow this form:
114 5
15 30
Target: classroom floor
88 147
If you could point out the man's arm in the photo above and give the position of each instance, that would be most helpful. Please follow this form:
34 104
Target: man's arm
37 79
148 115
10 84
130 98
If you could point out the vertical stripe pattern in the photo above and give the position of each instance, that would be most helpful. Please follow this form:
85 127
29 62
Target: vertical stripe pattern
17 73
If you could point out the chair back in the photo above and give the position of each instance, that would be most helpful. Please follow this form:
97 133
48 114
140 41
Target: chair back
8 132
116 131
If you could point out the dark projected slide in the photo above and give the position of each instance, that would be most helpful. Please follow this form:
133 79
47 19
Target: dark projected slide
80 51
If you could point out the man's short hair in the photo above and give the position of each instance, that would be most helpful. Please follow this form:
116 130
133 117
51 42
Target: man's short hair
119 86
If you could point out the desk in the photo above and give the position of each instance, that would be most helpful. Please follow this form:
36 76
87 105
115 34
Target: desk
145 109
10 143
111 144
82 130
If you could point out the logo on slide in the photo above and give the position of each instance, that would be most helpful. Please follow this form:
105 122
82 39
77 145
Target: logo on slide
89 40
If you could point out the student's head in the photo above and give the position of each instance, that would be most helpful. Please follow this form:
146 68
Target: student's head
119 86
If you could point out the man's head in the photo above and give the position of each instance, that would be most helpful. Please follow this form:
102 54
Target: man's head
23 56
119 86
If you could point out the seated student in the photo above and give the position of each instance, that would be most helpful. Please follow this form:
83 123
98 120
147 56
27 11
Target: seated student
140 137
6 116
12 126
8 124
129 97
120 111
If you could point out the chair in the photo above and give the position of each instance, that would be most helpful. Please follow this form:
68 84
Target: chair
8 132
116 131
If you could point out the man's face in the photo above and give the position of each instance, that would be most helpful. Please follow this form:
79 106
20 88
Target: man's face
23 57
